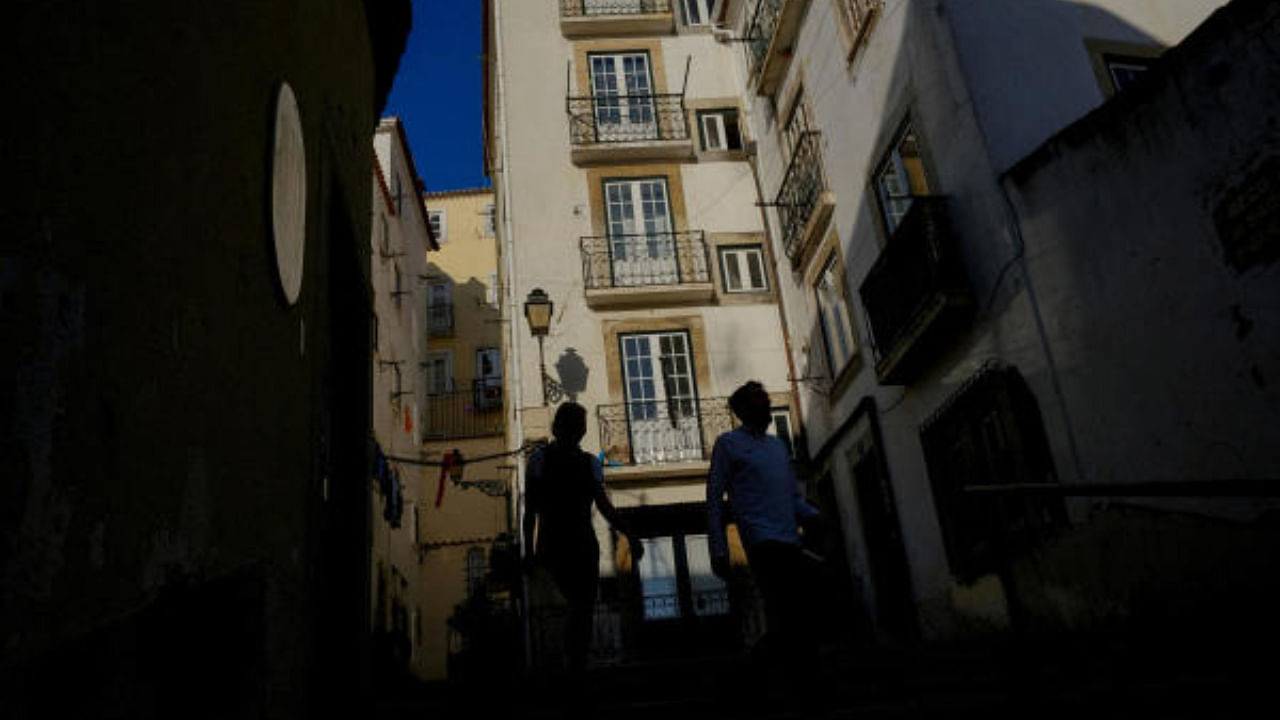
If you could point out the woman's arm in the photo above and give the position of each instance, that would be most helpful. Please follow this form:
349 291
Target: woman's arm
610 513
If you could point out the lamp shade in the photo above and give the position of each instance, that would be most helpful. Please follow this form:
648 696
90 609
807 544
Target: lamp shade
537 310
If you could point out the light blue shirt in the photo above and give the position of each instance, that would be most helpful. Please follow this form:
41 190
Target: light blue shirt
755 471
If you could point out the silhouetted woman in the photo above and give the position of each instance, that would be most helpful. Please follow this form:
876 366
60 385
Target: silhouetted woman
562 482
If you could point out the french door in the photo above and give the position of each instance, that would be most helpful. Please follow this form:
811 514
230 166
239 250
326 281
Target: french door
642 248
622 89
662 399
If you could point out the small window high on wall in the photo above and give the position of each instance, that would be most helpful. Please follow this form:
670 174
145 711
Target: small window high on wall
901 178
719 130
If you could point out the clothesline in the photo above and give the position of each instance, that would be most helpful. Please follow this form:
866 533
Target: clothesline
522 450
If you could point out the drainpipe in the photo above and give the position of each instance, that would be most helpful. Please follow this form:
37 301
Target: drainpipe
516 375
740 81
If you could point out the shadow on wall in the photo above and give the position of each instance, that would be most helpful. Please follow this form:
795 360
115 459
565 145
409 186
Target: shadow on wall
573 372
476 313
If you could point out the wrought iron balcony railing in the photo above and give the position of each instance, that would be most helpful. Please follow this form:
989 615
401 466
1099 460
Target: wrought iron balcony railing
655 259
595 8
764 21
800 192
440 320
474 412
662 431
917 291
626 119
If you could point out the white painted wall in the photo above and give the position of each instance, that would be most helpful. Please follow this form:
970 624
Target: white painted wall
551 211
947 63
1028 70
401 337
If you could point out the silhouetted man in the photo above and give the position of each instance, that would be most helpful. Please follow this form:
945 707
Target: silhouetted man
754 469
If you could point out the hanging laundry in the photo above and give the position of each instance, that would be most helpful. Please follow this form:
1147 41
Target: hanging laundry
445 466
394 507
381 470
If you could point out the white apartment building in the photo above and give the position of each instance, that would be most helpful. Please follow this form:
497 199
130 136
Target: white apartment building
882 129
400 240
618 143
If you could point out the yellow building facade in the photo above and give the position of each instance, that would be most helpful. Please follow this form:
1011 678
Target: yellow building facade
463 518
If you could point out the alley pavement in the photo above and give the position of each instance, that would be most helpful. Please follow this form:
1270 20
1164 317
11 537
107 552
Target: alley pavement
1082 681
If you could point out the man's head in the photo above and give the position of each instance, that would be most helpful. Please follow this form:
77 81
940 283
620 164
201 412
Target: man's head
570 423
751 404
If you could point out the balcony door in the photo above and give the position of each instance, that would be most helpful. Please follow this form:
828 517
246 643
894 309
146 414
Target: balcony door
642 249
622 90
488 382
662 398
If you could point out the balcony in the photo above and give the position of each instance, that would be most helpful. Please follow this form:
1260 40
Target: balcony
769 39
662 435
646 270
804 203
917 295
610 18
613 128
475 412
440 320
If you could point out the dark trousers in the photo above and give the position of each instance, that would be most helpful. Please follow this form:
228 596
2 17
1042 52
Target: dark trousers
576 573
783 575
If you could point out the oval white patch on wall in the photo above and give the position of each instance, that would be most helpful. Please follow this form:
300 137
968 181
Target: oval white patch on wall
289 194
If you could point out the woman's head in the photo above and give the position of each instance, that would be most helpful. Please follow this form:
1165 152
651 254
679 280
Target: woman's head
570 423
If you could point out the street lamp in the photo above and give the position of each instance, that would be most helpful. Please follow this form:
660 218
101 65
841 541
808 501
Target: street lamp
537 310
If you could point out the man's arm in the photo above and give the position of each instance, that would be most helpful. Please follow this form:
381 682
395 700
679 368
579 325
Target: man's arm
717 481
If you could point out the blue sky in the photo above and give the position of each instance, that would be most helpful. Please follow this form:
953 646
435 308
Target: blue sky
437 94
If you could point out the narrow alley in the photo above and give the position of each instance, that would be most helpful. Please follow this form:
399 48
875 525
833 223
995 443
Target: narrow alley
639 359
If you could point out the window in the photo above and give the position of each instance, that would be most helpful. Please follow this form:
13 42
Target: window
833 317
661 395
742 269
781 427
439 371
476 571
436 218
900 177
668 560
641 243
384 236
719 130
487 389
490 221
489 365
1124 71
697 12
622 89
397 192
989 434
439 307
491 291
1119 65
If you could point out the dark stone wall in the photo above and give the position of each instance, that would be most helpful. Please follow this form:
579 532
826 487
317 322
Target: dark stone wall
169 424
